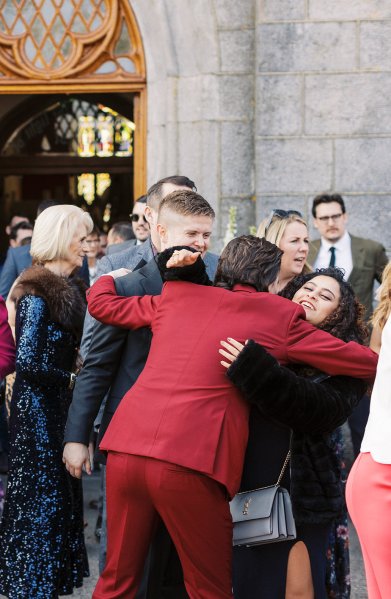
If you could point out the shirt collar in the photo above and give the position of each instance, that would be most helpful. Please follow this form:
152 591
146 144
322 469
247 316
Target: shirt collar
342 244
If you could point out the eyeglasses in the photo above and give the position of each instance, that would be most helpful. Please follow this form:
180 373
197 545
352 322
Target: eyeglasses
333 217
281 214
92 241
136 217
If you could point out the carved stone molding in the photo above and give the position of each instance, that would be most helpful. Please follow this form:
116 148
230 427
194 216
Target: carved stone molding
52 41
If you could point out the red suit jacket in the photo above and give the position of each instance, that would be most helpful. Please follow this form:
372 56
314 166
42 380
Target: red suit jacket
183 409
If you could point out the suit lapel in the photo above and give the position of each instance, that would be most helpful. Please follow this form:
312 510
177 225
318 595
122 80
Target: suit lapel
358 257
150 279
313 251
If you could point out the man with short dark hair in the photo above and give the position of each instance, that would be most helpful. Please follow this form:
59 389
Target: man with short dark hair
363 261
120 233
139 222
21 234
125 234
15 220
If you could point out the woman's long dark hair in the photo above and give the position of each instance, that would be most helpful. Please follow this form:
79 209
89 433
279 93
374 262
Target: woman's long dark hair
346 322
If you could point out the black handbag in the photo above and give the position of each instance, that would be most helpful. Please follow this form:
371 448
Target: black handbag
263 515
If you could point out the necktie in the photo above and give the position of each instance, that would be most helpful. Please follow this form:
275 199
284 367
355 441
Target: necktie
332 256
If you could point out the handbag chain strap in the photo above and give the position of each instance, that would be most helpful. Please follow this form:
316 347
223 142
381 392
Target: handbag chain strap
285 465
288 457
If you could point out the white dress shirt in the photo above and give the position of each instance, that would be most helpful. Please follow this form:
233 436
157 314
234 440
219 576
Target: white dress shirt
343 254
377 436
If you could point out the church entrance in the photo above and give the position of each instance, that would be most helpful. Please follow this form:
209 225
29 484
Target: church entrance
72 109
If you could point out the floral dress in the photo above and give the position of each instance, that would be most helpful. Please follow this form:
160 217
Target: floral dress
338 562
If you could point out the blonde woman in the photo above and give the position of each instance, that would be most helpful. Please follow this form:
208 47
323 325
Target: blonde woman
42 552
287 230
383 310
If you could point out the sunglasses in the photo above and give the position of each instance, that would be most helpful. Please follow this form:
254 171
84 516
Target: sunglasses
136 217
282 214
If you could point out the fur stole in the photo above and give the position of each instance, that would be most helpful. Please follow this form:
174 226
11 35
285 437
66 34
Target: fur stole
66 298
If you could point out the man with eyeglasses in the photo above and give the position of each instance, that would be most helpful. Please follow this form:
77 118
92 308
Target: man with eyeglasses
363 261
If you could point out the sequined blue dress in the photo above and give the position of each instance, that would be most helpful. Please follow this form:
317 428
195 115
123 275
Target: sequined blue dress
42 551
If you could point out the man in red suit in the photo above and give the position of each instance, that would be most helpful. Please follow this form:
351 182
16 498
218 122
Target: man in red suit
176 443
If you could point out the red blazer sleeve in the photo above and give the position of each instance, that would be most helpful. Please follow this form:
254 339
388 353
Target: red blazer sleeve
7 345
309 345
127 312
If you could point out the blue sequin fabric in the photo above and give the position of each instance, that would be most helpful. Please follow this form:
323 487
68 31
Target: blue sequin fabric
42 551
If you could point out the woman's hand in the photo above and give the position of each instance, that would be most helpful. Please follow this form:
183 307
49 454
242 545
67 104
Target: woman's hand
182 258
231 351
120 272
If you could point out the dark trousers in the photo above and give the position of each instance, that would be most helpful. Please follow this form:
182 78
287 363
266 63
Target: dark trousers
195 511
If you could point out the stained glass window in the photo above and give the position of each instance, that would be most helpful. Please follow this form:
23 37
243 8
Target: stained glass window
74 127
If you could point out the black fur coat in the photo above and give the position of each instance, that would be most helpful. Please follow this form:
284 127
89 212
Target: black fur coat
311 408
65 297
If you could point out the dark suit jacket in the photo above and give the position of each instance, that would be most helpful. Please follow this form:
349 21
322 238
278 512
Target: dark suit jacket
182 408
115 360
369 260
18 259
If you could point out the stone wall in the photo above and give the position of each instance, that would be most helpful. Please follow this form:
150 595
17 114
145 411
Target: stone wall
265 103
323 117
200 68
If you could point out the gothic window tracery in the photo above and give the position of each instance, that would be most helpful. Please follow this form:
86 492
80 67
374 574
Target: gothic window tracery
53 40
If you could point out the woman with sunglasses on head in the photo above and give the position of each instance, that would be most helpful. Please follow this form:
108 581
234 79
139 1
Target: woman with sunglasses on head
288 231
311 405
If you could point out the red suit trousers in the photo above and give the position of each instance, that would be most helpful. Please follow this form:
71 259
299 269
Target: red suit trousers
194 509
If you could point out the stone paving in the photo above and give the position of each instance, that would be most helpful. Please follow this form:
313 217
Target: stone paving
91 486
91 491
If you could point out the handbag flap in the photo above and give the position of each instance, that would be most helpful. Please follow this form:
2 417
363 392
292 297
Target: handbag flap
253 505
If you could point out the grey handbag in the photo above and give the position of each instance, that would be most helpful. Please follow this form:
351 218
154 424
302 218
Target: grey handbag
263 515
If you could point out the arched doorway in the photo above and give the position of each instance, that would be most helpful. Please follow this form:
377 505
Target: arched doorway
72 71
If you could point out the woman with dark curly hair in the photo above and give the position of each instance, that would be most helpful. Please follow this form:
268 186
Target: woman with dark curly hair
301 409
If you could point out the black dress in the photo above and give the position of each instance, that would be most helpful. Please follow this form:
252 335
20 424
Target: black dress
42 551
283 401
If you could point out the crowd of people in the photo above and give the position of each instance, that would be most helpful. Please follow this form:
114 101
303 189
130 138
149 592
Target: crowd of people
202 375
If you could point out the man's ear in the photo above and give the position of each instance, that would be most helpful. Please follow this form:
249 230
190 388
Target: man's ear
315 223
161 231
148 214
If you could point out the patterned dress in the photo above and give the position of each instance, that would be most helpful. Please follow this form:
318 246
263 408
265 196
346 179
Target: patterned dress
338 582
42 551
